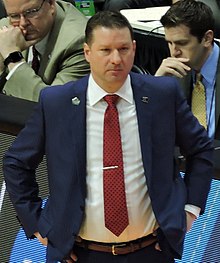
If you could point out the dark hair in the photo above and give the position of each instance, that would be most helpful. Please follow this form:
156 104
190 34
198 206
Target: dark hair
108 19
197 16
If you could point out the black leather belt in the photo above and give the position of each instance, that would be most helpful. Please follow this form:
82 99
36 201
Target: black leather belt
117 248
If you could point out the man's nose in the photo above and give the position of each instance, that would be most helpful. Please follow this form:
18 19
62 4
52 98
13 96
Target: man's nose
174 51
116 57
23 21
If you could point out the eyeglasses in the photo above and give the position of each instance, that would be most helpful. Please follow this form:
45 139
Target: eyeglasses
31 13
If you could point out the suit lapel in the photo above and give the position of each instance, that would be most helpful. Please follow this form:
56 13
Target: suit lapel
52 40
142 97
77 124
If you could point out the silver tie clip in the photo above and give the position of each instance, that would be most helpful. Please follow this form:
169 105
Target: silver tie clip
110 167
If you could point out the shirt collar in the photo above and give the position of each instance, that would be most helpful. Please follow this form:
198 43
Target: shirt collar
209 68
95 93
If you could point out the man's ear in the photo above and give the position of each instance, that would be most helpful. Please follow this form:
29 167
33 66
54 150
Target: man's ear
52 4
134 45
86 49
208 38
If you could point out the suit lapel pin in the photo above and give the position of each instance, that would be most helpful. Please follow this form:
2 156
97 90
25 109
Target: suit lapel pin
75 101
145 99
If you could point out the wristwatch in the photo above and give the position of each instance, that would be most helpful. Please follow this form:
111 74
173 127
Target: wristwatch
13 57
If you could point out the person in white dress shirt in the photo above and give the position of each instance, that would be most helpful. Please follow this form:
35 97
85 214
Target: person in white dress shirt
67 127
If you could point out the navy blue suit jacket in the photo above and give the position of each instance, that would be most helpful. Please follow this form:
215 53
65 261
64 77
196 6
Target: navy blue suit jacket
58 129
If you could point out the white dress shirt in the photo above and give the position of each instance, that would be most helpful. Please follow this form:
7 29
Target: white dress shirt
142 220
141 217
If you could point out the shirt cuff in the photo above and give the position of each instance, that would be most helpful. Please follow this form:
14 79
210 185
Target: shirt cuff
195 210
13 70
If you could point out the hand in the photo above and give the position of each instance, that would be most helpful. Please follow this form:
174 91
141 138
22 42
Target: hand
12 39
172 66
43 241
190 218
73 258
157 247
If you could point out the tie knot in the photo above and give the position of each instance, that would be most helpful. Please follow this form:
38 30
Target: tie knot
35 61
35 52
198 77
111 99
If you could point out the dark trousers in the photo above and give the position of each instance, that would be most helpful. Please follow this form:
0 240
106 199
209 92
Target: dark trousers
145 255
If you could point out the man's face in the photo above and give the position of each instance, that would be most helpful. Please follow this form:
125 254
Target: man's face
34 17
183 44
111 56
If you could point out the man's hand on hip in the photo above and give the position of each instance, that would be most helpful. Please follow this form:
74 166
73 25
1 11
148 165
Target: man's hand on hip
43 241
190 219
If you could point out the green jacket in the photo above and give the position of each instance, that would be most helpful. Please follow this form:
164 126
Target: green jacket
63 60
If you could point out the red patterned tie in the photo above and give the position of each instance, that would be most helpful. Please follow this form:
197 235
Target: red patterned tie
35 61
116 214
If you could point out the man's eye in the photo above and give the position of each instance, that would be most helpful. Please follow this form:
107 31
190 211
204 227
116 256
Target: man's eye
183 43
105 50
14 16
124 49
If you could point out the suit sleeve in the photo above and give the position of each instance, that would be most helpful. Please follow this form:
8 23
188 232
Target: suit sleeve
19 165
68 66
62 61
197 148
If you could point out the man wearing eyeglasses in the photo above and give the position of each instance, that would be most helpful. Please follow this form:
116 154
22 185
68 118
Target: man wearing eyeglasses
54 31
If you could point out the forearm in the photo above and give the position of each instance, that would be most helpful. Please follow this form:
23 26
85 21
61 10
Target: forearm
24 83
19 168
73 67
42 240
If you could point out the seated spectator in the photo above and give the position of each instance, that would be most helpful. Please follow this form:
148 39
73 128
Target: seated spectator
56 30
115 5
189 31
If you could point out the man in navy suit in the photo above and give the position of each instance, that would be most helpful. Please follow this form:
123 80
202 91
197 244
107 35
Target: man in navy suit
67 127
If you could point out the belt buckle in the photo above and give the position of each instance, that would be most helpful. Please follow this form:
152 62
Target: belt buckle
115 246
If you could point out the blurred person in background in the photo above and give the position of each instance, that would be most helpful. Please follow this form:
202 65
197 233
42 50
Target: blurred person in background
189 32
91 216
41 44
